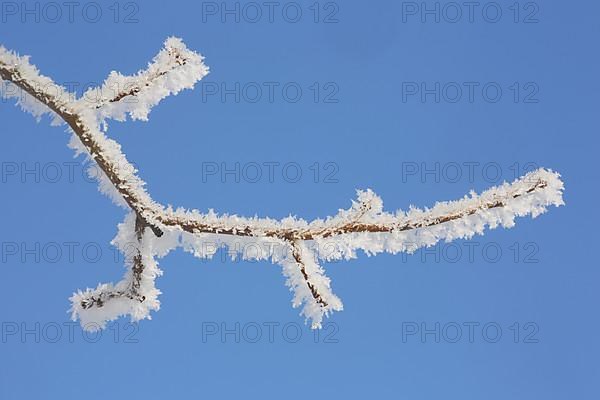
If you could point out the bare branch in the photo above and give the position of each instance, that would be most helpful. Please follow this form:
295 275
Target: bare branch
313 290
173 69
176 68
132 291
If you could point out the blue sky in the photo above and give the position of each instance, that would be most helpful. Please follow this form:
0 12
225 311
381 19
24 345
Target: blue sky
378 100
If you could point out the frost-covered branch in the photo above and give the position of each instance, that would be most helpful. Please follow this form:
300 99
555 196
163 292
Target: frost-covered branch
173 69
154 229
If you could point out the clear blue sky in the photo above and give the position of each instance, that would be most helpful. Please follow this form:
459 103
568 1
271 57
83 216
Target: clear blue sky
367 123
